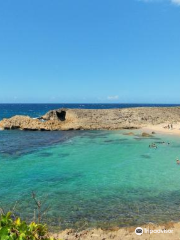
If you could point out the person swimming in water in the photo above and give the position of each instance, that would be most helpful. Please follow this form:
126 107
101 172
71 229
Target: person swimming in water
178 161
153 145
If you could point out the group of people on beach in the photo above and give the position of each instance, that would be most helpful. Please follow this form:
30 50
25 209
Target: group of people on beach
169 126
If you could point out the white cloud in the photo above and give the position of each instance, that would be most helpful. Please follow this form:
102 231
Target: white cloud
176 2
111 98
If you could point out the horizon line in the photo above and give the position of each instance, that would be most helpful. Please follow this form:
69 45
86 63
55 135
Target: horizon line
97 103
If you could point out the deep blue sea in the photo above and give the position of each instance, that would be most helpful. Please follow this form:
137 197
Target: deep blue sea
88 178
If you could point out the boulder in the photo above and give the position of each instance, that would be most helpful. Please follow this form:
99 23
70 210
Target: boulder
144 134
129 134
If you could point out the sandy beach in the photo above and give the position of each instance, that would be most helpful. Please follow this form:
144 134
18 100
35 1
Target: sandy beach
162 128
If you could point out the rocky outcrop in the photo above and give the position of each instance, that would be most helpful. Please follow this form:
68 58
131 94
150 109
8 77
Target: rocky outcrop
144 134
87 119
129 134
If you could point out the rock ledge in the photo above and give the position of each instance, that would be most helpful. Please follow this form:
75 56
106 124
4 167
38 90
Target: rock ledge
94 119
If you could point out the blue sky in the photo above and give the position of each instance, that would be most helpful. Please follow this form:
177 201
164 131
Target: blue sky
125 51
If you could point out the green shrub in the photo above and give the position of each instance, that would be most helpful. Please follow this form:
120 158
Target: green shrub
19 230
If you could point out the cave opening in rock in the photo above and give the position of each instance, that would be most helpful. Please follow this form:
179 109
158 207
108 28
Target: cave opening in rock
61 115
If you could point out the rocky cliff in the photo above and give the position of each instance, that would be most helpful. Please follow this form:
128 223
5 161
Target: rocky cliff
86 119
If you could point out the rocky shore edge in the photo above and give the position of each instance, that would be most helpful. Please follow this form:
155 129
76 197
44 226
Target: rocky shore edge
167 231
94 119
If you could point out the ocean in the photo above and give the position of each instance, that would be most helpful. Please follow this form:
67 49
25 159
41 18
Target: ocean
88 178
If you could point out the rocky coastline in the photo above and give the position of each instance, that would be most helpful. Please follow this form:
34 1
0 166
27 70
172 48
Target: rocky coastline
166 231
94 119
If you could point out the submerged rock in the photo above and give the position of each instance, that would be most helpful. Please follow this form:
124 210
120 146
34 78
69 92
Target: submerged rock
129 134
146 135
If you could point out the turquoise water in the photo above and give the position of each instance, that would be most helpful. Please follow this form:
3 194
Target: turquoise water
90 178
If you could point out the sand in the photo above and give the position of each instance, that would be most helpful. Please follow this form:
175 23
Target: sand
160 128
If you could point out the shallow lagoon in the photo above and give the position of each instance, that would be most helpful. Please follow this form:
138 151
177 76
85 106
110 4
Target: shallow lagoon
91 178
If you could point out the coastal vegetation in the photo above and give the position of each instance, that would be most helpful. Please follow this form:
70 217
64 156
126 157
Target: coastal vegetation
14 229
